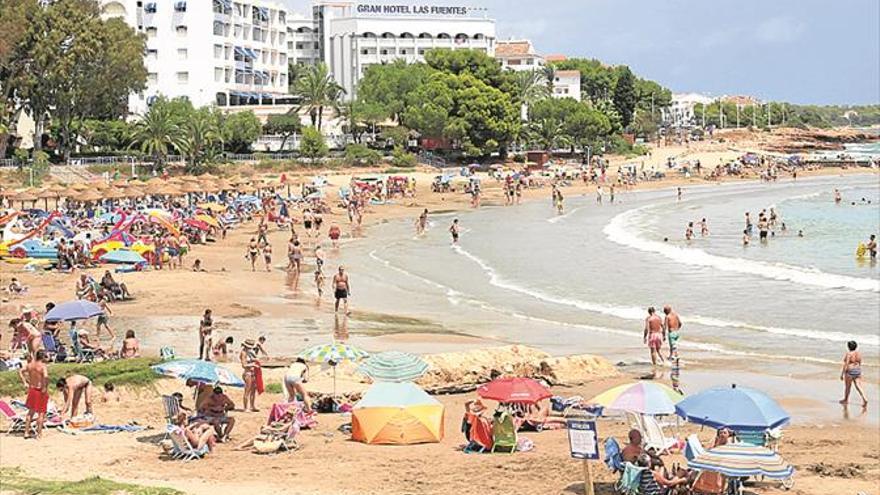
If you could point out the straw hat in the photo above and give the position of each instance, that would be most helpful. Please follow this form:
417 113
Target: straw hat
249 344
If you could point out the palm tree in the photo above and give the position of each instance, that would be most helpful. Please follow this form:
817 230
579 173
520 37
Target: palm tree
200 133
530 86
156 133
549 73
318 91
546 132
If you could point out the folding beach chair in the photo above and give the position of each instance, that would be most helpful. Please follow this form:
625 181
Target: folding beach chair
16 420
80 355
752 437
181 448
630 481
613 458
50 346
503 433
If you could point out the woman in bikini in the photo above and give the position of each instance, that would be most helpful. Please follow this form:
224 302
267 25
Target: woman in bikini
252 252
852 373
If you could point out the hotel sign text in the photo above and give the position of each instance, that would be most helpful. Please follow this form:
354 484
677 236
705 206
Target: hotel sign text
435 10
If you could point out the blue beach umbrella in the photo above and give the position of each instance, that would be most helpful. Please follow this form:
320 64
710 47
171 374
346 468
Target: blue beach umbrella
199 371
123 256
393 366
738 408
74 310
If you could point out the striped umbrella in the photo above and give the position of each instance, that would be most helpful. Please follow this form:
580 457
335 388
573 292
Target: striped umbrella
333 354
641 397
393 366
200 371
737 460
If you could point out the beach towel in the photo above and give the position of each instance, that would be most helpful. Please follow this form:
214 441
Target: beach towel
101 428
258 375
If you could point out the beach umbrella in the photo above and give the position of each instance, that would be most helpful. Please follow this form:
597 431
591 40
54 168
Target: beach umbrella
113 194
737 408
514 389
123 256
133 192
74 310
393 366
196 224
215 207
79 186
208 220
397 413
333 354
45 194
642 397
199 371
87 196
737 460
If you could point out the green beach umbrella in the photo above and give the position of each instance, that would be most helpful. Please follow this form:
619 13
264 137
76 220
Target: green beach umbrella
393 366
333 354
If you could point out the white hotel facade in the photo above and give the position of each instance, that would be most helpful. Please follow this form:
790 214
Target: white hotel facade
235 54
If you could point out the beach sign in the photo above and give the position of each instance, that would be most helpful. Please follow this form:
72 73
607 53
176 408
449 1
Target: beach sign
582 440
583 444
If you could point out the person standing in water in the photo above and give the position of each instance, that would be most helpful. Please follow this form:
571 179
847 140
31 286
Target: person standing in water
654 335
454 230
871 246
704 227
852 373
749 226
611 194
422 223
342 287
689 232
837 197
599 194
672 326
679 194
746 238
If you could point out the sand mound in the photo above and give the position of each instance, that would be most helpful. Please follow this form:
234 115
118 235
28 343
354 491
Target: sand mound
464 371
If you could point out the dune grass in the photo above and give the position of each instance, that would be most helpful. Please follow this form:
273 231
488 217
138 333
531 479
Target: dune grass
14 481
122 372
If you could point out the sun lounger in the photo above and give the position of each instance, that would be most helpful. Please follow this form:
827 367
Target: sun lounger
53 419
503 433
654 437
181 448
49 345
16 420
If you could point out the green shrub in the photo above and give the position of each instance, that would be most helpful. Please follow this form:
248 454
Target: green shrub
360 155
131 372
401 158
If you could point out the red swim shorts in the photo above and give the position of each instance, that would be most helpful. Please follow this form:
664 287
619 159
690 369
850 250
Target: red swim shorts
37 400
655 341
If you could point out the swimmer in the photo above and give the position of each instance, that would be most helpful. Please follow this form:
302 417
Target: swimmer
454 231
689 232
872 247
704 227
746 238
837 197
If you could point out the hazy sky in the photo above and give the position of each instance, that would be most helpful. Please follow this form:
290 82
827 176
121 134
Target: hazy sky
803 51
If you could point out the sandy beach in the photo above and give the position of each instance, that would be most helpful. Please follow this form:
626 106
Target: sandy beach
834 450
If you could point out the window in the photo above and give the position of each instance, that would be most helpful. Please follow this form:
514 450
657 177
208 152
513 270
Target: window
152 32
182 54
421 51
181 31
152 55
152 78
218 28
218 74
182 77
150 8
218 51
180 6
227 52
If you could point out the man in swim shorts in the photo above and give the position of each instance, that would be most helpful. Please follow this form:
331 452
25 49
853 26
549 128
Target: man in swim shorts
654 335
872 247
672 326
454 230
35 377
342 288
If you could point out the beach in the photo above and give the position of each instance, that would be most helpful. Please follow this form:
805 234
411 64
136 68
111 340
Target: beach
774 317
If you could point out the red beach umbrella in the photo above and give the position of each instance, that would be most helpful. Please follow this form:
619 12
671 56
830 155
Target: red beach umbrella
514 389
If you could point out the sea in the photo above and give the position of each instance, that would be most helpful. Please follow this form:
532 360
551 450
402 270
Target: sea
581 282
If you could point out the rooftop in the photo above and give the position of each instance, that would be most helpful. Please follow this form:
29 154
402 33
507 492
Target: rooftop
568 73
555 58
514 48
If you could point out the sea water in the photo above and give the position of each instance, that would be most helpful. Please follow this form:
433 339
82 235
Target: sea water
581 282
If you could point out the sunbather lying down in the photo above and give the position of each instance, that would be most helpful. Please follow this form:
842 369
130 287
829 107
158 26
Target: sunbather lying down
285 429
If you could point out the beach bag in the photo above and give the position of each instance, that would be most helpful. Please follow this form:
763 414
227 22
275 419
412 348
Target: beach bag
631 479
267 446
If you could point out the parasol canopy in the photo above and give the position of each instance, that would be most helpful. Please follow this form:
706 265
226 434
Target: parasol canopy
393 366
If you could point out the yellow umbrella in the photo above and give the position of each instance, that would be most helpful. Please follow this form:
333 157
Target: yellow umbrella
208 220
215 207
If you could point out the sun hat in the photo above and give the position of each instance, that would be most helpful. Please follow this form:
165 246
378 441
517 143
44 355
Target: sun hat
249 344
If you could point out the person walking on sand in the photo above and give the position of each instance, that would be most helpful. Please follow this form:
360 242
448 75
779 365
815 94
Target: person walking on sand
851 373
454 230
672 326
35 376
267 256
319 283
249 365
342 287
654 335
104 319
252 251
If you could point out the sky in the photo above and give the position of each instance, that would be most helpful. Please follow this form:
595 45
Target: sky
799 51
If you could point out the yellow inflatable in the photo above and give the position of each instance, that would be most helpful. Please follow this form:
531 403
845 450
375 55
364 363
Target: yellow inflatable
861 251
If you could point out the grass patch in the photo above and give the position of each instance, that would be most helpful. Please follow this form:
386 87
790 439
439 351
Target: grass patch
122 372
273 388
399 170
13 481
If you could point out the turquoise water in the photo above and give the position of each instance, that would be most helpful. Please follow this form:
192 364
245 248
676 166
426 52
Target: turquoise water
581 282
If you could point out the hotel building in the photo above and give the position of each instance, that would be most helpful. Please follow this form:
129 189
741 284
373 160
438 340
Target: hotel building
351 37
219 52
518 55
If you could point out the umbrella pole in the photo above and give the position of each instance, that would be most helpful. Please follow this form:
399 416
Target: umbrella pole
334 381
